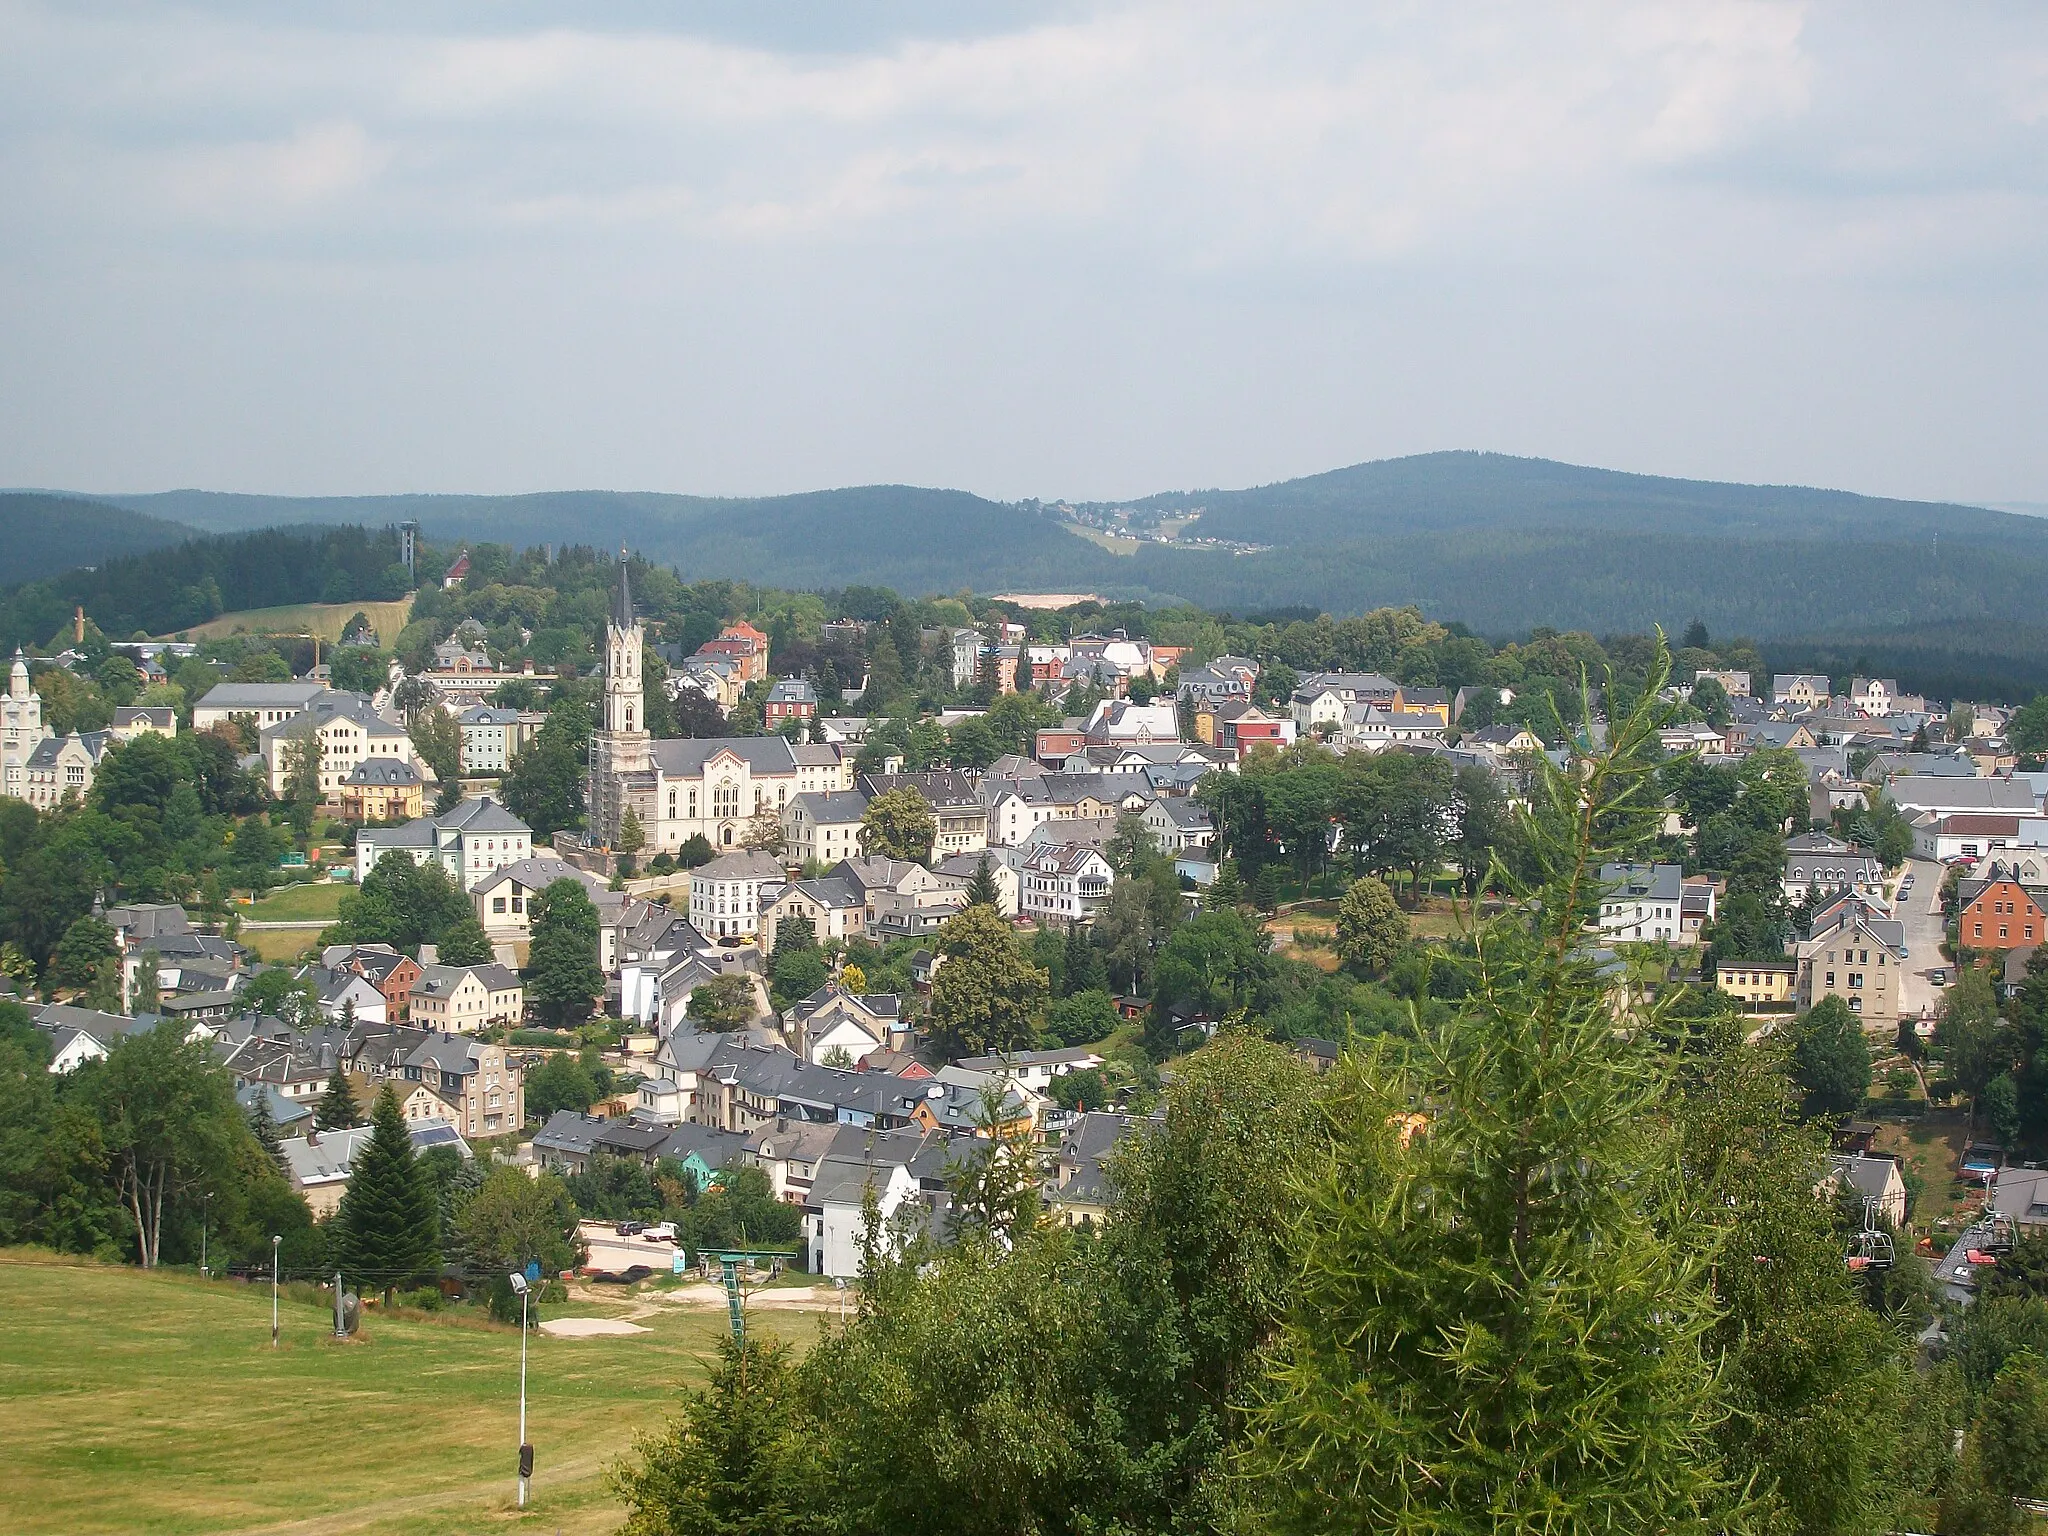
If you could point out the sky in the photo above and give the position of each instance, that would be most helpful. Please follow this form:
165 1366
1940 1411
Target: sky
1082 250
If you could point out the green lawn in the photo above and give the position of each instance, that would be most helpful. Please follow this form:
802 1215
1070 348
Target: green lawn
154 1403
299 903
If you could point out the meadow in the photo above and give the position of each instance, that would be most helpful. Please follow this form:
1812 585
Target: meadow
153 1403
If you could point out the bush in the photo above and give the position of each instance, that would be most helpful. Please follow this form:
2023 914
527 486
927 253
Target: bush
425 1298
547 1037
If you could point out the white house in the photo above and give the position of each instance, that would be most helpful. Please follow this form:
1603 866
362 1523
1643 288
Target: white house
471 842
725 895
1064 882
1035 1070
1641 901
890 1164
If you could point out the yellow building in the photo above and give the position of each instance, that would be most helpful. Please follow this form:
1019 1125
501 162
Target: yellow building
382 789
1764 986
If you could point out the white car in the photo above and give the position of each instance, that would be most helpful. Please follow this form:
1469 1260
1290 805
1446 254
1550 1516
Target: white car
661 1232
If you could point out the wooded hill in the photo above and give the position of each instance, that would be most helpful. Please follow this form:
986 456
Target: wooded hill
41 535
1501 544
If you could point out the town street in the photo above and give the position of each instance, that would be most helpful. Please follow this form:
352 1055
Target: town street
1920 911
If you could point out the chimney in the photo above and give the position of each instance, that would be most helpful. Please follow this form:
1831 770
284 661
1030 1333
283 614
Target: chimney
312 1138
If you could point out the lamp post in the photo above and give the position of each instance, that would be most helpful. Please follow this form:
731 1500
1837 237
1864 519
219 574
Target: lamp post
525 1450
275 1239
205 1214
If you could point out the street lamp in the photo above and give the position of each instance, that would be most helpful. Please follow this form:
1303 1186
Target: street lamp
525 1451
275 1239
205 1212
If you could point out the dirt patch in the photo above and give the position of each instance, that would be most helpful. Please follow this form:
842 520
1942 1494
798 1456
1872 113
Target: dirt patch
588 1327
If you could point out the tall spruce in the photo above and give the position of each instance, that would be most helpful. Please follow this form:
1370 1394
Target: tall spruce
387 1231
981 889
1499 1320
336 1110
263 1126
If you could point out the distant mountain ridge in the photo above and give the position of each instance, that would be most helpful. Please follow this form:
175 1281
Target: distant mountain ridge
1500 543
42 534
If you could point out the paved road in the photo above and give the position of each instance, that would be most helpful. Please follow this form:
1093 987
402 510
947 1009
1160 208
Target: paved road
1921 913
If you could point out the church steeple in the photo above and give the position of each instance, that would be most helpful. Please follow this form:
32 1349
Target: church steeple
623 704
622 611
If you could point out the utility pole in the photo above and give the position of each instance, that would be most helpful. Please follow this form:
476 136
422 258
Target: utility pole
521 1285
340 1332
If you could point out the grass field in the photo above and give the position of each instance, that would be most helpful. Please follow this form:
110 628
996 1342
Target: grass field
153 1403
272 945
299 903
322 619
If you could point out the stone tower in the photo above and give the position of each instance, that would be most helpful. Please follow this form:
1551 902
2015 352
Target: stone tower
621 751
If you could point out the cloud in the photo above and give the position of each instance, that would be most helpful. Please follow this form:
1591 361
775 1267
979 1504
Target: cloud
1049 238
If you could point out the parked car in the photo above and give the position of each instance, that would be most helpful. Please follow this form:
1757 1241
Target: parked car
631 1228
661 1232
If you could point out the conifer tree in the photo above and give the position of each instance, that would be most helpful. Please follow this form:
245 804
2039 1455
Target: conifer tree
387 1230
981 890
1226 891
263 1126
336 1110
1498 1324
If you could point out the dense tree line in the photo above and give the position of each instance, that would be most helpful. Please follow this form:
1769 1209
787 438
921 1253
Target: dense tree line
172 589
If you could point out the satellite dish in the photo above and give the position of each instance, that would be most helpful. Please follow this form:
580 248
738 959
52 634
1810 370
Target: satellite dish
936 1091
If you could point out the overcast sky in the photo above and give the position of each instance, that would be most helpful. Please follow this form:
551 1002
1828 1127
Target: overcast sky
1080 250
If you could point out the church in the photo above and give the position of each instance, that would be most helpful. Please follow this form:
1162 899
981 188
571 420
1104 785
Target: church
711 787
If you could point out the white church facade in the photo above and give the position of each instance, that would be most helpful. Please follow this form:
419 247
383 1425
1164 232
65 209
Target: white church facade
709 787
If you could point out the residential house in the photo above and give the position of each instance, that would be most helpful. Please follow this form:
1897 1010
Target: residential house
503 900
463 999
832 1021
1734 684
792 698
132 721
959 817
745 645
1874 696
961 869
886 1171
393 975
1319 702
1180 824
472 841
492 737
320 1163
381 789
1034 1070
1800 690
1998 912
1818 861
1860 959
837 909
1640 902
62 768
1764 986
726 894
1875 1179
1064 882
824 827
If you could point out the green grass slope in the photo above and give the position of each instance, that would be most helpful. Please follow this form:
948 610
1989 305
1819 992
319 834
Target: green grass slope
141 1403
41 534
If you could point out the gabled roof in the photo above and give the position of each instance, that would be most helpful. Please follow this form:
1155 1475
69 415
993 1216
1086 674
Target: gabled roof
841 805
762 754
386 772
747 864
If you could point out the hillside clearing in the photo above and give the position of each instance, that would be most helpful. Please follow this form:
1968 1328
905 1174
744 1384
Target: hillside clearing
140 1402
323 619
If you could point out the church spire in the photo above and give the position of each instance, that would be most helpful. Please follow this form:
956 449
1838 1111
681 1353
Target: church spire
623 615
